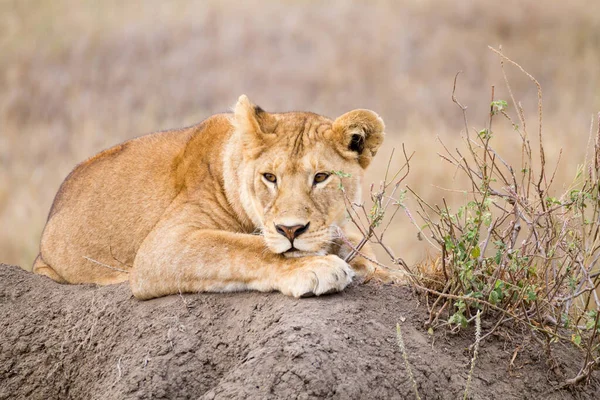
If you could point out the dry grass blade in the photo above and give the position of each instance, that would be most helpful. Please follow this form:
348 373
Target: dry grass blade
475 352
402 347
105 265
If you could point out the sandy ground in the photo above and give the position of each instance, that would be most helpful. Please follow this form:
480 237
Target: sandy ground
88 342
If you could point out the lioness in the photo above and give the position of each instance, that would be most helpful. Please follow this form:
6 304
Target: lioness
242 201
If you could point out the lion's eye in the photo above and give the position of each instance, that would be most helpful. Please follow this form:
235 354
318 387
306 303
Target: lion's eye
321 177
270 177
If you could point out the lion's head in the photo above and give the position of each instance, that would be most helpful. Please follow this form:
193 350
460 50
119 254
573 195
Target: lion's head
299 169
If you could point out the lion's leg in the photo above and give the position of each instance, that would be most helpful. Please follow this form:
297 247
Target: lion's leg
178 257
40 267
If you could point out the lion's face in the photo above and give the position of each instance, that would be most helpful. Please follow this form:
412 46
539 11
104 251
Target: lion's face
301 195
300 170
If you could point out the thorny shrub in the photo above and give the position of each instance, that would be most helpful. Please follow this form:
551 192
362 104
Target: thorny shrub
515 251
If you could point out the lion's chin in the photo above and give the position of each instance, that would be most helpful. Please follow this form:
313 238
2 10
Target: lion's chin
294 253
300 249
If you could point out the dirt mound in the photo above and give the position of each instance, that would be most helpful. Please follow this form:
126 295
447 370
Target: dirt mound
92 342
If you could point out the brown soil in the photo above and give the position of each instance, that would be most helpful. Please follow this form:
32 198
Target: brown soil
87 342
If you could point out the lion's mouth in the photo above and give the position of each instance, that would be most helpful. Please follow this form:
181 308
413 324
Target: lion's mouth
293 252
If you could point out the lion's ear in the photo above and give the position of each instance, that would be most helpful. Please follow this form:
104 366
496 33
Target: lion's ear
361 132
250 119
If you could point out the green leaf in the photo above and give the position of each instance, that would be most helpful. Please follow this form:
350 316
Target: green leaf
487 218
531 295
485 134
591 315
552 200
476 252
448 243
458 319
493 298
564 317
498 257
498 106
341 174
575 338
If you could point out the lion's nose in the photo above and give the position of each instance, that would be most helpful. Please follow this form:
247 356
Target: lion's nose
291 232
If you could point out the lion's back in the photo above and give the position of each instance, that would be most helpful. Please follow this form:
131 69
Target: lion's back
108 203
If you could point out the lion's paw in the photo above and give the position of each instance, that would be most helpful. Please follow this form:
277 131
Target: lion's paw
316 276
388 276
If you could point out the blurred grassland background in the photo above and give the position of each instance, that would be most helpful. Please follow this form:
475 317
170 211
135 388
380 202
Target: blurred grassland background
79 76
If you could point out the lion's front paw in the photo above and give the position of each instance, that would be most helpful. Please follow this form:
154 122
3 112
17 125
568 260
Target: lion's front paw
316 276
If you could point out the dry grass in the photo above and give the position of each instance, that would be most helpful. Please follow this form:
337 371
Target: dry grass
79 76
